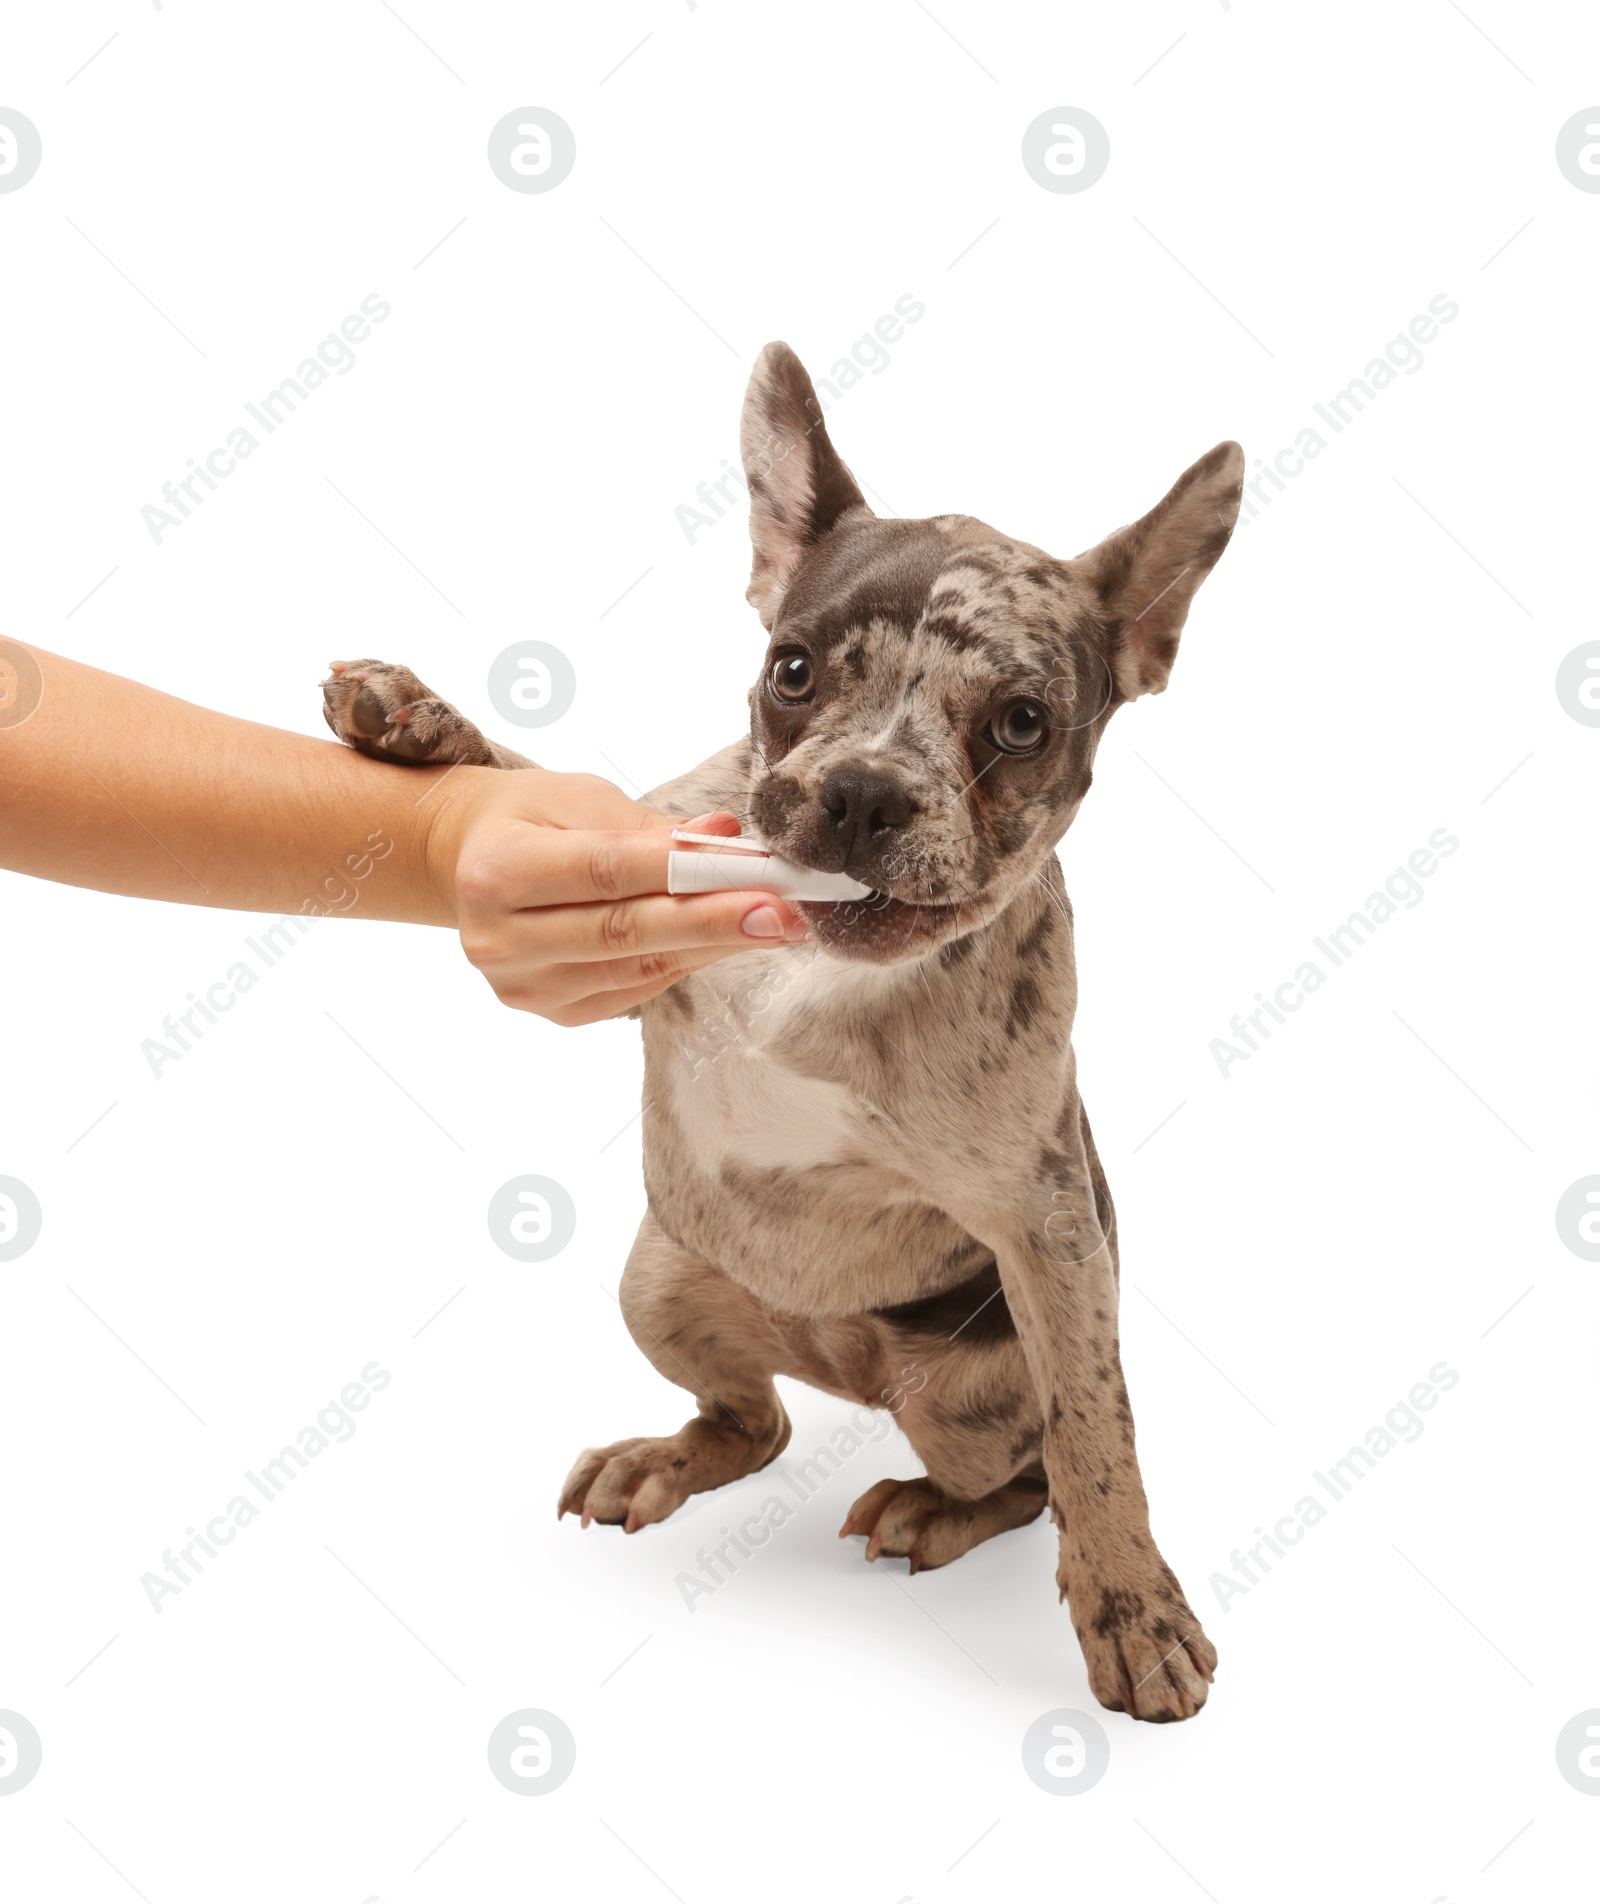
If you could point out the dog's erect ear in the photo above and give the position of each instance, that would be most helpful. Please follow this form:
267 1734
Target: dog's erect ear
1147 573
798 487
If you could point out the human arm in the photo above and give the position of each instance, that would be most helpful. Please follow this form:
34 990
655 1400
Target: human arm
556 882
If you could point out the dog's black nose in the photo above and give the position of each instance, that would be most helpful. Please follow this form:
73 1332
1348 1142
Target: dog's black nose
863 808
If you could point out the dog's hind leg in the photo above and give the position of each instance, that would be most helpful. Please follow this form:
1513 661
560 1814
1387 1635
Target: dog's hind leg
704 1332
968 1408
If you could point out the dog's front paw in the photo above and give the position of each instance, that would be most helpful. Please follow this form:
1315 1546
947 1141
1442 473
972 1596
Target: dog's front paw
1146 1652
632 1483
386 712
627 1485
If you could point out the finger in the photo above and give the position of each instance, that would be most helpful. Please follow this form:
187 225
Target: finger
721 821
553 991
567 987
632 927
532 865
648 968
599 1006
588 1008
548 866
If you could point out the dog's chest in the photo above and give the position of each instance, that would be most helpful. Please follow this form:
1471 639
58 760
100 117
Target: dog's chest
738 1087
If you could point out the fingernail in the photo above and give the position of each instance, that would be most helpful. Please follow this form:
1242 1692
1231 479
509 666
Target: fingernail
763 923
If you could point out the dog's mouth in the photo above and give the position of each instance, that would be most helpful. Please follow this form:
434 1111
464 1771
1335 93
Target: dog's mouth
881 929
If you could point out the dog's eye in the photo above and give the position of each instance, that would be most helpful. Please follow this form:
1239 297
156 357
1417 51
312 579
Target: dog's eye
792 678
1019 728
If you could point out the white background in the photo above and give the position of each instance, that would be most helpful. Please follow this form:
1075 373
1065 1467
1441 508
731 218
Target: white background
1302 1241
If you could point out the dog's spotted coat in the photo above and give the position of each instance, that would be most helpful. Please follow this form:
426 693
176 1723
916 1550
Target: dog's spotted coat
868 1155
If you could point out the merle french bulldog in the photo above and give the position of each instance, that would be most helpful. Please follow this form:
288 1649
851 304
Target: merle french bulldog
867 1155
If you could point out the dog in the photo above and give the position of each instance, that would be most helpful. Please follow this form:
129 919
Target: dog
868 1166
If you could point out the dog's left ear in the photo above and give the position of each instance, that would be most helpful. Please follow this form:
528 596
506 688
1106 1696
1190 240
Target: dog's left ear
1146 574
798 486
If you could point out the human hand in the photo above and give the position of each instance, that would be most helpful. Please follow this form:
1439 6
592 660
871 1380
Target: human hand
558 886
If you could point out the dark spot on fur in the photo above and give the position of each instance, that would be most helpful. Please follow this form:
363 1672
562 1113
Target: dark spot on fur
853 655
1118 1610
973 1311
982 1418
956 630
1037 934
863 569
883 1046
1023 1008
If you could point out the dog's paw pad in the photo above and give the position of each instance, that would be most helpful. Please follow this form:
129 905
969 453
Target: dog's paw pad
368 714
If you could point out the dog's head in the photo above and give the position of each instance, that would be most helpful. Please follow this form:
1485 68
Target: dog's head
933 692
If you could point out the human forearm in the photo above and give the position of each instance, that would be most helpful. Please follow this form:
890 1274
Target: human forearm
556 882
114 785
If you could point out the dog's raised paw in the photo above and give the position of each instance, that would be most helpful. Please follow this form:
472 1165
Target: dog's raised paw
918 1521
386 712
